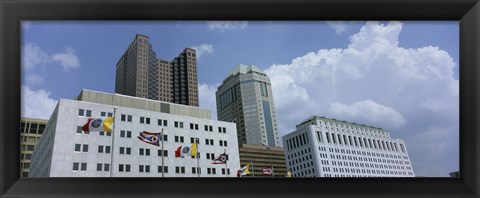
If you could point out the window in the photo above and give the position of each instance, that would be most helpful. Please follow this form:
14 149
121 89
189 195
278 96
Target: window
75 166
129 134
120 167
165 169
107 149
99 167
125 150
100 149
81 112
148 120
78 147
127 168
179 169
144 151
129 118
83 167
106 167
165 153
89 113
142 120
79 129
103 114
122 117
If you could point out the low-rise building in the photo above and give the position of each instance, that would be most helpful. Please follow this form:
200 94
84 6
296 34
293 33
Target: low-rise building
263 157
323 147
31 130
66 151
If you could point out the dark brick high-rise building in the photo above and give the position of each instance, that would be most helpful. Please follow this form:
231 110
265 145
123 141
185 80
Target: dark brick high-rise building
140 73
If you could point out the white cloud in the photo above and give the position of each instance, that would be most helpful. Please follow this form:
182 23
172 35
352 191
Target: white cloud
368 111
339 26
227 25
375 82
36 104
34 79
203 49
33 56
34 61
206 95
67 59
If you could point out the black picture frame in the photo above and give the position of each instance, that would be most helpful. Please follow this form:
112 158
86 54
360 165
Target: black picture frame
467 12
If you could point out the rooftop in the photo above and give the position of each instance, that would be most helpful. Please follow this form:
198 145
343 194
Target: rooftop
244 69
142 103
315 117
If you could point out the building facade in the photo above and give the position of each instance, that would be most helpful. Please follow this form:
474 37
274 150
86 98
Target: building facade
261 157
140 73
245 97
30 132
323 147
65 151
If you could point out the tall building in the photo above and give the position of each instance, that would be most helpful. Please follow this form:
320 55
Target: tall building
263 157
65 151
323 147
245 97
30 132
140 73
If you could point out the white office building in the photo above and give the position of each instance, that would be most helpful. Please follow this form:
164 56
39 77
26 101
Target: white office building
323 147
65 151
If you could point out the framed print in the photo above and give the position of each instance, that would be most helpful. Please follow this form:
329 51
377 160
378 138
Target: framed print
110 18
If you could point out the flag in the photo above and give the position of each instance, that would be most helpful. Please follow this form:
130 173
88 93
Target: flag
289 174
181 151
221 159
267 171
150 138
99 124
193 150
243 171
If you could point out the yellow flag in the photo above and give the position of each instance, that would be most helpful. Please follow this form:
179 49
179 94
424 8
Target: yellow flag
193 150
108 124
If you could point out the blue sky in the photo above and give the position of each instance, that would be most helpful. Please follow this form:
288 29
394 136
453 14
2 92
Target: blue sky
401 76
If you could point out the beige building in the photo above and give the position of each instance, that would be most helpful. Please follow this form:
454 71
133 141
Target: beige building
140 73
260 157
30 132
245 97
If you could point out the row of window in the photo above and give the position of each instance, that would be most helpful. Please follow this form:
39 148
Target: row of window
297 141
77 166
176 124
180 139
347 140
343 127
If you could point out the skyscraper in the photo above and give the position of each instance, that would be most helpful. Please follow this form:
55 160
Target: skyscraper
140 73
245 97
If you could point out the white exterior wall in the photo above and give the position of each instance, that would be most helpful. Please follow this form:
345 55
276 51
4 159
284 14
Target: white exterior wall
65 137
317 157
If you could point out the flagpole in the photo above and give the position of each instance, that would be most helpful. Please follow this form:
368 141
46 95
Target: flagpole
253 170
163 153
273 172
226 169
197 141
113 140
